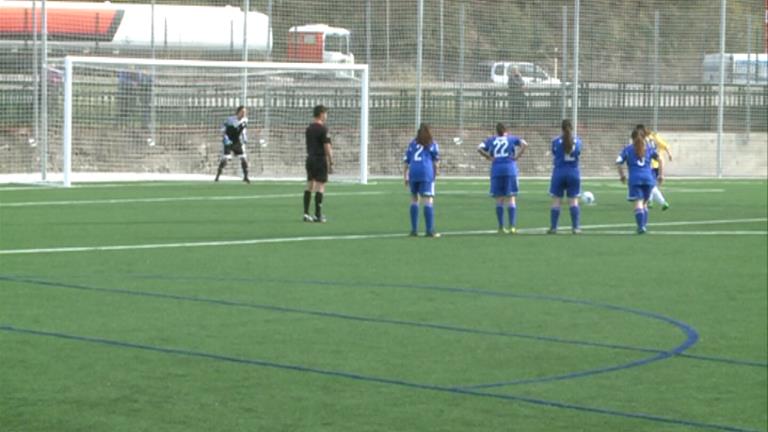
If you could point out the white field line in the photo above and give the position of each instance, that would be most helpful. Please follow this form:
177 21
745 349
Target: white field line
684 233
268 196
527 231
176 199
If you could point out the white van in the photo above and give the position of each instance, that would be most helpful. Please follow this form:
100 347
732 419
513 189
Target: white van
532 74
736 68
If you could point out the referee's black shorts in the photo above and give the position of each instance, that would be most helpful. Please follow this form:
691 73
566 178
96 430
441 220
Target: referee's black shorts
317 169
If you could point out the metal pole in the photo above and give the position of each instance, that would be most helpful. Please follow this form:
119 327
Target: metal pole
656 71
44 95
35 79
269 30
364 126
67 127
749 77
387 32
368 19
419 43
461 68
246 8
564 82
721 92
575 110
442 34
267 86
152 111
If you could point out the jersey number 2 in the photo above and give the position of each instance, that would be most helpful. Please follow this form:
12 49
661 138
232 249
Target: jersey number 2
417 155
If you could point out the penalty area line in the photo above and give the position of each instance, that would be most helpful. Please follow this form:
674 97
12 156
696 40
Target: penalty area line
524 231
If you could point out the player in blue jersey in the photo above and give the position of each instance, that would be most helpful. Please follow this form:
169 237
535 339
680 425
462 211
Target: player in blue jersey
422 162
638 156
503 150
566 179
234 138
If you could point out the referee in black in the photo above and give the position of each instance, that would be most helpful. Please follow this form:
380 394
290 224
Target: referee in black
319 163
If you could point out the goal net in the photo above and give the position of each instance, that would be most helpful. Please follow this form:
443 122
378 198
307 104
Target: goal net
139 119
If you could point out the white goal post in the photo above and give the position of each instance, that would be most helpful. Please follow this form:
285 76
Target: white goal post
148 117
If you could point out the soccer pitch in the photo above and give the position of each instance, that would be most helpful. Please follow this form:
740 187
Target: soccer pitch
212 307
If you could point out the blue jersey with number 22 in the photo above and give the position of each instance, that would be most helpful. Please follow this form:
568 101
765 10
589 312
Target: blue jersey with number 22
502 149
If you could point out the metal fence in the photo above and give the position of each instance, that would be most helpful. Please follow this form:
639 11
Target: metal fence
445 62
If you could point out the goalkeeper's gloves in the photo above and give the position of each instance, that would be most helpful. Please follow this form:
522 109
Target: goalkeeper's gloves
227 141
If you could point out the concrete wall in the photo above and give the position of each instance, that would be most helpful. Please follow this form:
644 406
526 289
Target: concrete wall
695 154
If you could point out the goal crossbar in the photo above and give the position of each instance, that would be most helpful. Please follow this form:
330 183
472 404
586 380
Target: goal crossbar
71 61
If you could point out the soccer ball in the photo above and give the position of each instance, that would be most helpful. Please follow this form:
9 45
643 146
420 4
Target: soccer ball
588 197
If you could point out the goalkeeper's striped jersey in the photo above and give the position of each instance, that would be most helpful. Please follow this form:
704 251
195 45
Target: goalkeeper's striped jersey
234 130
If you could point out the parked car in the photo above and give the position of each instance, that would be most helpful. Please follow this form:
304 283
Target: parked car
533 74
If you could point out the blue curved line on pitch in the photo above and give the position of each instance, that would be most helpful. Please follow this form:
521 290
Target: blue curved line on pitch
369 378
691 334
740 362
753 363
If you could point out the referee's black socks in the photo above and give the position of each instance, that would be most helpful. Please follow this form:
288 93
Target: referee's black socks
307 198
318 204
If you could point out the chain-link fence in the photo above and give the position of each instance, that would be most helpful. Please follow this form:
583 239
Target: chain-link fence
459 65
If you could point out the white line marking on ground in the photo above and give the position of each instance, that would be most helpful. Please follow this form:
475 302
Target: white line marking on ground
673 233
526 231
177 199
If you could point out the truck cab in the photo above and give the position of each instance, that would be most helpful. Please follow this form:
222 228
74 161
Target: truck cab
319 43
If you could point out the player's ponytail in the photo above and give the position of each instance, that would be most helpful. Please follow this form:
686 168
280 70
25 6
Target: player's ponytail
424 135
638 142
567 128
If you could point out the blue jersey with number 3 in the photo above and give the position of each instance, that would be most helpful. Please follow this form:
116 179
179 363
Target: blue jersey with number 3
502 149
639 167
421 160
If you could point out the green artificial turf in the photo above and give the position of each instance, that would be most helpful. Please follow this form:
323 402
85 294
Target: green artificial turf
212 307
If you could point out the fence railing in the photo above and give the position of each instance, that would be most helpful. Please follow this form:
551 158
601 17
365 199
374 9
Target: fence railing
680 107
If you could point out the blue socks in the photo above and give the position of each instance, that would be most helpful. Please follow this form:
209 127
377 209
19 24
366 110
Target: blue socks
414 217
512 210
500 216
429 216
575 215
554 215
640 218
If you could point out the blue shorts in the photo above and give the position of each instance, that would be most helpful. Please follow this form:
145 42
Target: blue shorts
423 188
568 183
639 192
503 186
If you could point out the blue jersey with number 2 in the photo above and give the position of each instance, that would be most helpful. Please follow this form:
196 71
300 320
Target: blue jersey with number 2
421 160
562 161
502 149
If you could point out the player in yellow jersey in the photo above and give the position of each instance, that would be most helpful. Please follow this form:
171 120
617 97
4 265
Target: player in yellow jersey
661 146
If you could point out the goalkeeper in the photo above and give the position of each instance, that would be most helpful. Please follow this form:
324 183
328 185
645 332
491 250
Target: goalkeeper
234 138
